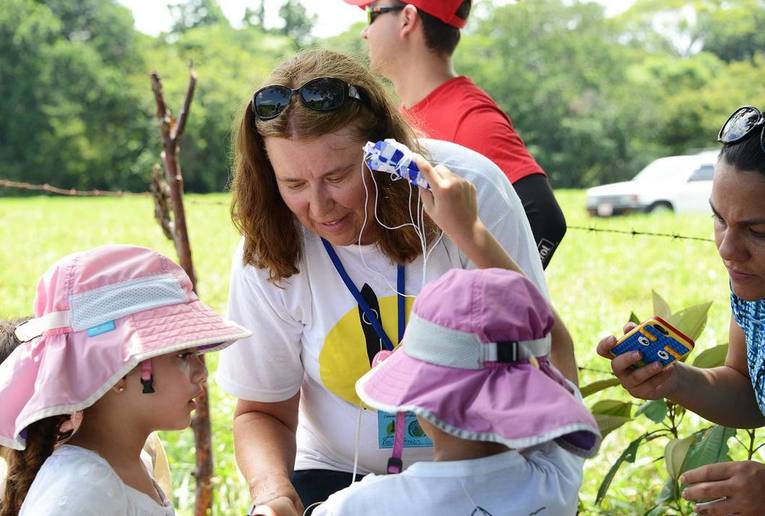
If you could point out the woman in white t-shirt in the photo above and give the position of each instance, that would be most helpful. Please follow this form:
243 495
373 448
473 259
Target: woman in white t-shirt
328 265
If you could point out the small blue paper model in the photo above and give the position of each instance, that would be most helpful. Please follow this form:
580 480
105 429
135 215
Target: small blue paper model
396 159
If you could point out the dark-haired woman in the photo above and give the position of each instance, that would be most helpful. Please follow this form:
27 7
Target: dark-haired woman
734 394
328 252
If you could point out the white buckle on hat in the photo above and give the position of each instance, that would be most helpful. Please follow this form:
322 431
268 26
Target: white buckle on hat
33 328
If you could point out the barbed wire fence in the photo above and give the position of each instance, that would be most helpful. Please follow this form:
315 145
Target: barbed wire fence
634 232
19 185
4 183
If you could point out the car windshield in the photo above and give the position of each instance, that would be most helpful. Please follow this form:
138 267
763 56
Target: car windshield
664 169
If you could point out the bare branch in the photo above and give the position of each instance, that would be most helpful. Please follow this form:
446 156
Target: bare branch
183 115
160 191
164 115
170 132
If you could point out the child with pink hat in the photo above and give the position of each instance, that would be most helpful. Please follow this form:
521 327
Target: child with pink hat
116 334
509 433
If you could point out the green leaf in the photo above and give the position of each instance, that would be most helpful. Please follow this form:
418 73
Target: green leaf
598 386
612 408
607 424
660 307
634 318
655 410
691 320
710 448
712 357
675 453
611 414
628 455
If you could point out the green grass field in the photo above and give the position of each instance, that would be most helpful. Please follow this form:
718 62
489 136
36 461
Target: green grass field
596 280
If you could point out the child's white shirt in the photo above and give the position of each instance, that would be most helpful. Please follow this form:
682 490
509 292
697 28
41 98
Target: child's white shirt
539 481
74 481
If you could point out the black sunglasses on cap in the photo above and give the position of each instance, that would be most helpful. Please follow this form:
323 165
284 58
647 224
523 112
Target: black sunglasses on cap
322 94
743 122
374 12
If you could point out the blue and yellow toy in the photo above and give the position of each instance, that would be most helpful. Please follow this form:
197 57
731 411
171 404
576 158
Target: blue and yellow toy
394 158
657 340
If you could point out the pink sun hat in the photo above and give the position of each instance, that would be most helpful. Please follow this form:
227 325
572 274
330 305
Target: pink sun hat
98 315
474 363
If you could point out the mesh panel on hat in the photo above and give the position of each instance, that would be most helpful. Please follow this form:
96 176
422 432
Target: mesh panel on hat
97 306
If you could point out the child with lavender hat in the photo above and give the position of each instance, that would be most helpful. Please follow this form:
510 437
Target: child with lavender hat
509 433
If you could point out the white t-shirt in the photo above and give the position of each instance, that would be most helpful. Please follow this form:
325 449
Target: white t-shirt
307 331
543 480
74 481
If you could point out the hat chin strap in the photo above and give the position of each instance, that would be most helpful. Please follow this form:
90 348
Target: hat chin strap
147 379
395 464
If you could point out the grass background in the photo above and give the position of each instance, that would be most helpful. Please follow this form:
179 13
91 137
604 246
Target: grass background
596 280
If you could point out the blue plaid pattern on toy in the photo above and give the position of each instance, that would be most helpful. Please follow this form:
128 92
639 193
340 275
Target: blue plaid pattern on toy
750 316
654 345
396 159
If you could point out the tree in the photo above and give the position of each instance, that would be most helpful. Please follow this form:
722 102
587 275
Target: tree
297 22
733 30
231 64
559 71
256 17
104 25
70 116
196 13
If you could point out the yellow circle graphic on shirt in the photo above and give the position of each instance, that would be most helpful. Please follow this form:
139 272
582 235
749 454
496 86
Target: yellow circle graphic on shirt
344 358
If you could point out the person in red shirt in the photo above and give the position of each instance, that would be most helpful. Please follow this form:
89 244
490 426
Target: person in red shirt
411 44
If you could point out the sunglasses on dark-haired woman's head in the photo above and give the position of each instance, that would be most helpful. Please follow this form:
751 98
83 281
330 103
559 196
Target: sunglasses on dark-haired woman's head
743 122
322 94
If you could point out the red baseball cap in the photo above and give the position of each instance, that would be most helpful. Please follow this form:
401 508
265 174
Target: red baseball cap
444 10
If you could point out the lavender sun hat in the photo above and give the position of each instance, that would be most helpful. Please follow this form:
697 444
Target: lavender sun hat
474 363
98 315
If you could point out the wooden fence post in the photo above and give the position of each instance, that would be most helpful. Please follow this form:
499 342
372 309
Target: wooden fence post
171 130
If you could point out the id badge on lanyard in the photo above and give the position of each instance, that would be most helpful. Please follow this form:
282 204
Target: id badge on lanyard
413 435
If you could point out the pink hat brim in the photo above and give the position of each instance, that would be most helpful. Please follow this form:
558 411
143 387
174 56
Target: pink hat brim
517 405
61 373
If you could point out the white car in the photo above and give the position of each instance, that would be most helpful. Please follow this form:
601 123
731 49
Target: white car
675 183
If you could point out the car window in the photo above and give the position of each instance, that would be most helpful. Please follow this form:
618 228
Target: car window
703 173
671 168
653 171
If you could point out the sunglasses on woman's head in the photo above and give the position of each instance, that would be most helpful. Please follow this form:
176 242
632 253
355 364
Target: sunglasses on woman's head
322 94
374 12
741 124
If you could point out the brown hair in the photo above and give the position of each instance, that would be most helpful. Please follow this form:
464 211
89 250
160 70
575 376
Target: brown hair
23 465
42 436
440 37
272 235
8 340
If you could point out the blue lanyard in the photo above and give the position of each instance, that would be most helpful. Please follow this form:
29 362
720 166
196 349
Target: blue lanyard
371 316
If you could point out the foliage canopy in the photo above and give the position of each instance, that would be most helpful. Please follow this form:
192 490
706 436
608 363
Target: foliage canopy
594 98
